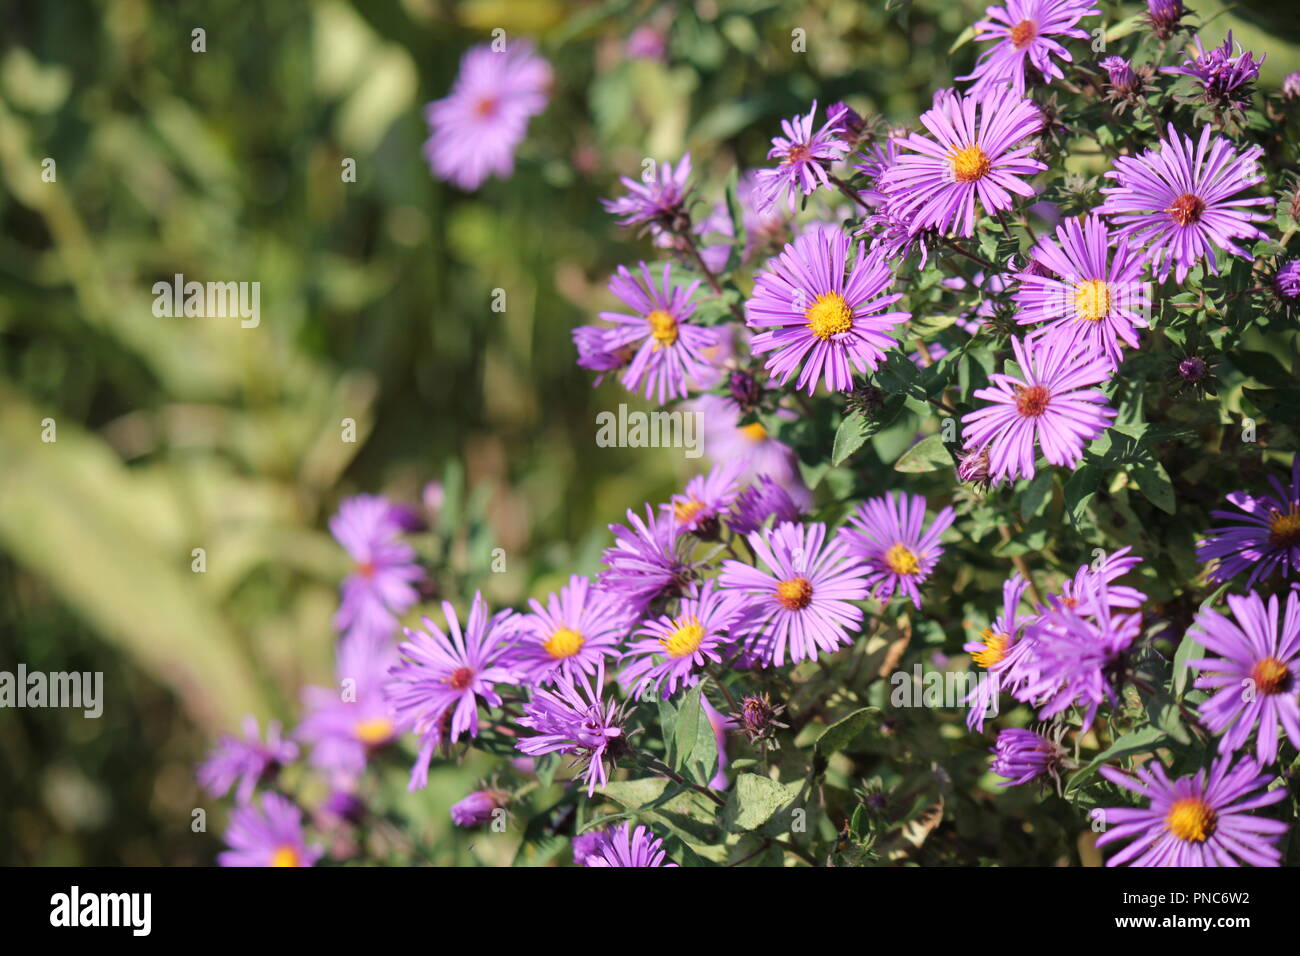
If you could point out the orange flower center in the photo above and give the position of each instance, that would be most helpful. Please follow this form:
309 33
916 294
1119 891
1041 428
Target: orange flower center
754 432
460 678
1270 676
1284 528
1023 33
1186 209
794 594
797 154
1031 402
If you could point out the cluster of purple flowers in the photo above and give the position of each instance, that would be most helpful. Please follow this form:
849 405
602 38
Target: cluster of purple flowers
738 572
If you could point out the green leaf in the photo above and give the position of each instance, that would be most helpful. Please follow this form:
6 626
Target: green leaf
1125 27
931 325
1079 490
696 744
1153 481
841 733
962 39
1138 741
929 454
849 437
754 800
1035 496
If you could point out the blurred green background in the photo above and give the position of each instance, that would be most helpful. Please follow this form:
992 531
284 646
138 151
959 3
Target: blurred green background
175 433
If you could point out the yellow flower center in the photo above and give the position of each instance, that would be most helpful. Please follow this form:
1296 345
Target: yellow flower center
685 639
1191 819
794 594
684 511
1092 300
829 315
754 432
995 648
565 642
374 730
663 328
284 856
969 164
1270 675
1284 529
902 560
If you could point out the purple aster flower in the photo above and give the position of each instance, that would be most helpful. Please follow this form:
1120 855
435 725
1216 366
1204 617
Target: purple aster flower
382 586
1095 300
576 629
437 687
477 126
645 563
750 446
803 601
572 719
659 203
271 836
1177 201
762 500
1022 755
1165 16
1202 820
1264 538
675 647
1291 86
646 42
820 318
247 762
1096 582
1286 282
599 352
478 807
1078 654
972 153
1002 653
585 845
804 160
888 535
1024 32
1050 405
669 350
1228 80
700 508
345 724
1256 673
1120 75
973 467
623 846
